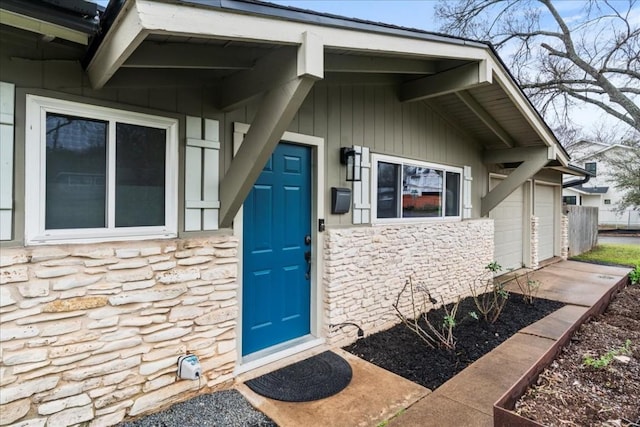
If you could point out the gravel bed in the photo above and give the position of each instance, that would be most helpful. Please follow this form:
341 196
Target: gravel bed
226 408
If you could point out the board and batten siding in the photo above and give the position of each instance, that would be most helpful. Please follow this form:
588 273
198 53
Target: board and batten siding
7 109
372 116
344 115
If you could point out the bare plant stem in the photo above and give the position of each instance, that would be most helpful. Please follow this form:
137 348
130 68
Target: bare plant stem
433 336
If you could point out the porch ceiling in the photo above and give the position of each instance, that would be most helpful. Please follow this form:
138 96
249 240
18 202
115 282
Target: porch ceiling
172 60
190 43
185 61
508 119
484 112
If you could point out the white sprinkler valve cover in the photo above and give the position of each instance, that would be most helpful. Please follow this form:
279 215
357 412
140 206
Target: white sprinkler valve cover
189 367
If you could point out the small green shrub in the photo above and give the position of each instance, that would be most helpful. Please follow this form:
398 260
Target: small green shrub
634 276
606 359
528 287
597 363
489 295
449 321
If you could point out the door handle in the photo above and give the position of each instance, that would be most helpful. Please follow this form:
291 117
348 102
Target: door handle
307 257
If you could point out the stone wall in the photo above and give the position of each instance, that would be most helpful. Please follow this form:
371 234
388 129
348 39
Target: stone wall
92 333
564 237
533 243
365 269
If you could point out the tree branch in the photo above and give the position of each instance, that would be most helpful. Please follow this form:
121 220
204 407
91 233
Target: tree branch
555 83
598 55
600 104
624 71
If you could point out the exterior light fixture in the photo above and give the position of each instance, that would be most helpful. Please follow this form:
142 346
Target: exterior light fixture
353 160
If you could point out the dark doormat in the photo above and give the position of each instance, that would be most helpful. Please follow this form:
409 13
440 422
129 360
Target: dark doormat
315 378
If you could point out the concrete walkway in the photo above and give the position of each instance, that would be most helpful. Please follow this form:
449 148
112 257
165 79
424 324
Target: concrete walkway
376 395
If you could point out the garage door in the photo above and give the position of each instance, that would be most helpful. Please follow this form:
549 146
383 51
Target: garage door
545 207
508 224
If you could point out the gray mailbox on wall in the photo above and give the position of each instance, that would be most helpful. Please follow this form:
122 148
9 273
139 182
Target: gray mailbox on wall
340 200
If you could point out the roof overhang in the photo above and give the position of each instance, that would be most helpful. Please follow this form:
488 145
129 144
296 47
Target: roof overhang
582 192
74 22
139 19
584 175
249 48
214 38
574 170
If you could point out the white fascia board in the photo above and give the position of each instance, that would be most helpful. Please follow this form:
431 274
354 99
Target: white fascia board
176 19
576 191
512 90
570 190
610 147
124 36
592 156
41 27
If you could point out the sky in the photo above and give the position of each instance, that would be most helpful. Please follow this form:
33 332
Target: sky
405 13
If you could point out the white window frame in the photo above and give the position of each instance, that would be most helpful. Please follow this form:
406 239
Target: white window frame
37 108
375 158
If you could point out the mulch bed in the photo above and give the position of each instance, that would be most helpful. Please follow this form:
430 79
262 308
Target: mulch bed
400 351
568 393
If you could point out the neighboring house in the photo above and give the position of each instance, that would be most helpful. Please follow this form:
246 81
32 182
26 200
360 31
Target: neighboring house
167 175
599 191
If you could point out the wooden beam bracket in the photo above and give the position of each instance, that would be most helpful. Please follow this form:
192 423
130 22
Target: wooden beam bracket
274 115
283 65
461 78
516 155
536 160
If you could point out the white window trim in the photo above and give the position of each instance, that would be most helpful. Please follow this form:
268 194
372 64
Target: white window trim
375 158
35 160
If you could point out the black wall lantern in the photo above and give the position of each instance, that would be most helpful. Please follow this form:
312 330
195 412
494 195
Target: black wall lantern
353 160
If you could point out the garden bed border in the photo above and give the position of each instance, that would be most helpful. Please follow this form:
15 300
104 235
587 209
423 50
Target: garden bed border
503 409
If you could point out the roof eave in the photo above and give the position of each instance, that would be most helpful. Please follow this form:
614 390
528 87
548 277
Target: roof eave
49 21
574 170
144 17
259 21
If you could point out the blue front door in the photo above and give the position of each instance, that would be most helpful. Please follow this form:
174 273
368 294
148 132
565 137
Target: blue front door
277 218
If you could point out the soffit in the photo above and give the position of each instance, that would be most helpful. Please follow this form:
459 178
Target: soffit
19 44
206 62
211 46
495 101
175 60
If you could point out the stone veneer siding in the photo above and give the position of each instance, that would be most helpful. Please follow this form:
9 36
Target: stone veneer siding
533 243
564 237
92 333
365 269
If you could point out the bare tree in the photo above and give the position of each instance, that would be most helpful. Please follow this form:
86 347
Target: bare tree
560 62
569 136
624 173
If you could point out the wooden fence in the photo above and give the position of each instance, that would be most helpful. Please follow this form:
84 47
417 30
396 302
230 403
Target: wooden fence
583 228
